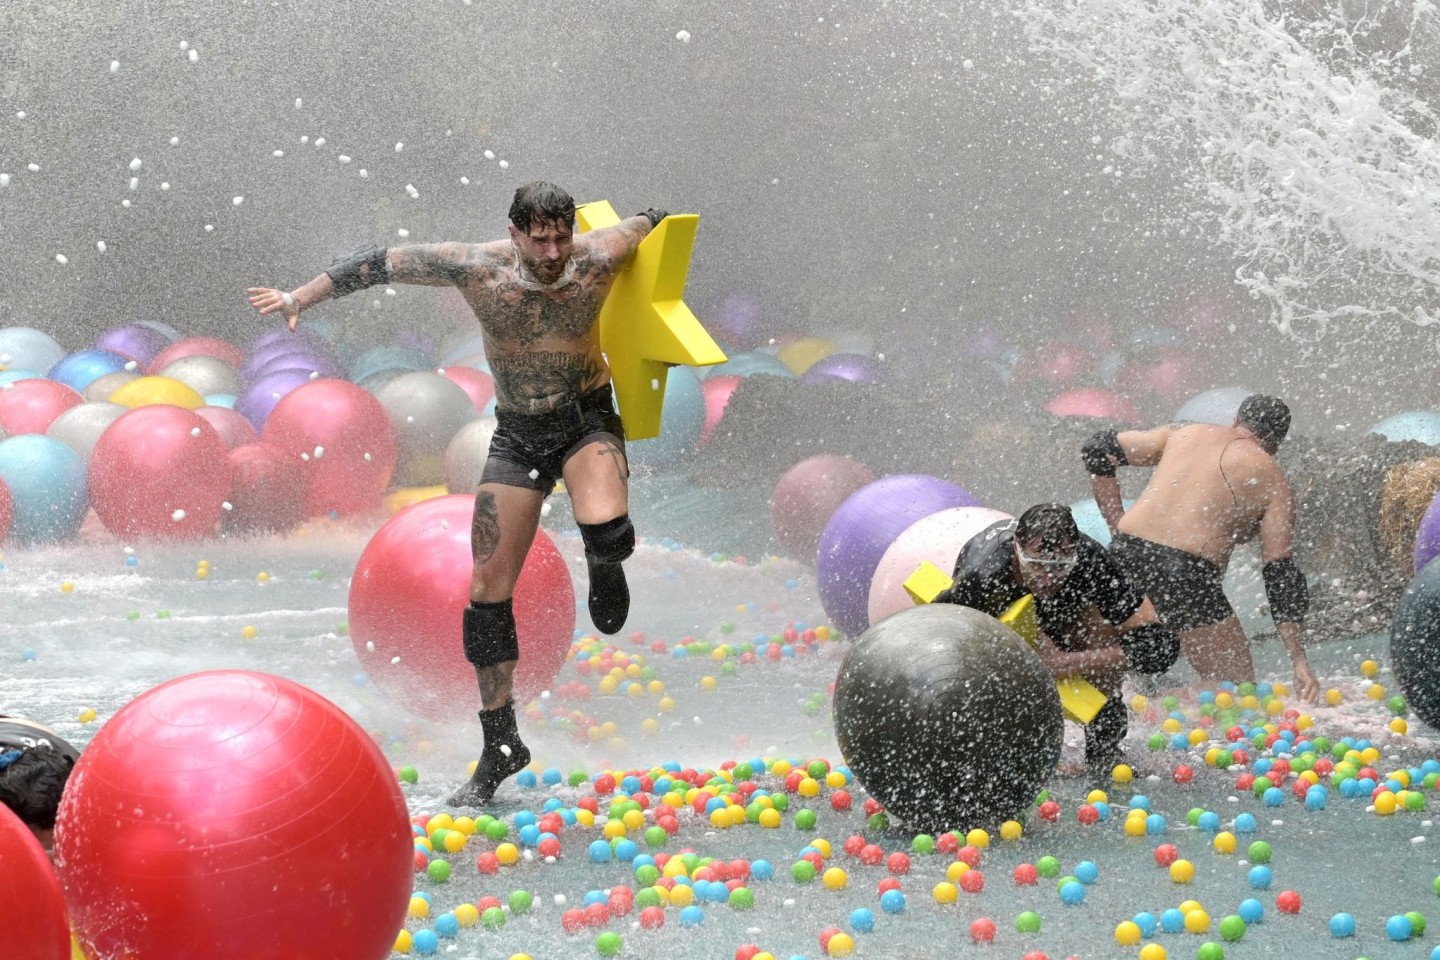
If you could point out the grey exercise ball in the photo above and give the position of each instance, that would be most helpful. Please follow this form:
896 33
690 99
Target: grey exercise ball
465 457
204 375
80 426
426 410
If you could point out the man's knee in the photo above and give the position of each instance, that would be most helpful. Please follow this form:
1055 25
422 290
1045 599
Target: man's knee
488 632
611 541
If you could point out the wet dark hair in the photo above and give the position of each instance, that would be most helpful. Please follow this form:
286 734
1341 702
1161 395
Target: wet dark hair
1265 416
32 783
1051 523
541 201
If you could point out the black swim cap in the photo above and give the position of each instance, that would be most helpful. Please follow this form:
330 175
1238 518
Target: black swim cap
1265 416
1051 523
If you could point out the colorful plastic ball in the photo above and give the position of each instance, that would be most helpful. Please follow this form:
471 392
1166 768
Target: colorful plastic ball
1252 911
406 596
1210 951
1128 933
243 771
1399 928
345 440
1260 877
1232 928
1072 893
30 406
862 920
1259 852
1342 925
160 471
857 535
982 930
1182 871
48 493
151 391
1027 921
1288 901
1087 872
692 916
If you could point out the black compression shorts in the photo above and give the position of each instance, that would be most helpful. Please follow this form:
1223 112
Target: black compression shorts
1185 589
531 451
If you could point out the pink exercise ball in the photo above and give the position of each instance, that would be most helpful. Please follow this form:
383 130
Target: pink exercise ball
937 539
478 384
406 600
231 815
718 391
807 494
267 489
1059 363
234 429
35 927
196 347
344 439
30 406
1095 402
159 471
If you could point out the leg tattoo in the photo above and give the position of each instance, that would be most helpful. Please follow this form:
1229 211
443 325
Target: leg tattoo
496 683
609 448
485 530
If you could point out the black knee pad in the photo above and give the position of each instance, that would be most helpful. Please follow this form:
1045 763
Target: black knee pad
489 633
611 541
1153 648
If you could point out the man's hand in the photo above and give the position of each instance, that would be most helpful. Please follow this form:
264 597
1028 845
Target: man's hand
654 216
1306 683
268 301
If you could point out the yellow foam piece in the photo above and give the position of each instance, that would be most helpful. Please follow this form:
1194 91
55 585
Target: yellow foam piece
1079 699
645 326
397 500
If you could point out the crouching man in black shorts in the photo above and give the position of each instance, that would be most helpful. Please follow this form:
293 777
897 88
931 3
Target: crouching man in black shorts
537 295
1093 622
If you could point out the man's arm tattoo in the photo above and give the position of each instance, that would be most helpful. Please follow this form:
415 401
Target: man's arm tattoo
485 529
436 264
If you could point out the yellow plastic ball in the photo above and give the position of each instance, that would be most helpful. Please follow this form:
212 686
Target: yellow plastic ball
1188 905
1369 668
634 690
632 671
708 683
1011 830
202 573
1334 697
737 814
507 854
666 705
834 779
1370 756
584 817
1224 700
674 867
419 908
467 914
720 818
655 688
720 653
1402 776
403 941
633 819
608 685
1170 726
1250 702
1135 826
1198 736
613 829
1280 689
1385 803
841 945
609 728
650 726
1197 921
262 577
1182 871
835 878
1139 702
1128 933
822 846
1398 725
1224 842
978 839
248 632
681 895
1274 707
465 825
1153 951
86 715
455 841
781 768
1304 722
809 787
1097 796
956 870
770 818
1375 691
944 892
1122 773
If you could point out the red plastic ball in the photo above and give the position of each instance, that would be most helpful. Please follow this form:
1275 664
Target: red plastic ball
160 471
407 594
1234 734
871 854
1087 814
485 903
549 847
1050 810
352 435
947 843
1245 781
30 406
898 863
1288 901
573 921
825 936
982 930
1183 773
35 926
854 844
840 800
887 884
968 855
1026 875
746 952
652 918
972 881
201 820
1166 854
487 863
604 784
872 807
597 915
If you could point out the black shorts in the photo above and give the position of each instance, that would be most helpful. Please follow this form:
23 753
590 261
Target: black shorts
1186 589
531 451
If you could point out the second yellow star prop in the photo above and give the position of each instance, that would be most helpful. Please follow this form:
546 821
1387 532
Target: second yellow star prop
645 326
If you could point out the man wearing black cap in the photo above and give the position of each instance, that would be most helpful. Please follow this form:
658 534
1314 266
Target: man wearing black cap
1213 487
35 764
1093 622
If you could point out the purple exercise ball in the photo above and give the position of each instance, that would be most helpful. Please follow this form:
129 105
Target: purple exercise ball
1427 535
308 361
135 342
261 356
860 532
262 395
843 366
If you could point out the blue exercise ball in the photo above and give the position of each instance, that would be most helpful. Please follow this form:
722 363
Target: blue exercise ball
682 420
1220 405
389 357
749 365
47 485
83 367
26 348
1422 425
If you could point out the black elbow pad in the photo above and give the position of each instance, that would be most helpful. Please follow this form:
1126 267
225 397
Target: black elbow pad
1102 453
1286 590
1153 648
361 269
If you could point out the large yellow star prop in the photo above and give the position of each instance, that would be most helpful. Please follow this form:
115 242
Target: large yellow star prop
645 328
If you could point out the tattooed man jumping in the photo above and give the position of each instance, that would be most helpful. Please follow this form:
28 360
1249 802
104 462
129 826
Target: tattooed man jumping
537 296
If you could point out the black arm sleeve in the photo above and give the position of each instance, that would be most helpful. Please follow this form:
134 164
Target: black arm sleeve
363 268
1285 588
1102 453
1153 648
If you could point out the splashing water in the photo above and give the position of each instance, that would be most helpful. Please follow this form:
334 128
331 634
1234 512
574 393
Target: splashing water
1307 128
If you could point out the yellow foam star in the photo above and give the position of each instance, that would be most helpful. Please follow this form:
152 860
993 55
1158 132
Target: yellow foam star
645 326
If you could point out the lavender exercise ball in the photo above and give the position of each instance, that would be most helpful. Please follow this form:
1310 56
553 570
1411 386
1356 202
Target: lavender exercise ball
860 532
1427 536
843 366
134 341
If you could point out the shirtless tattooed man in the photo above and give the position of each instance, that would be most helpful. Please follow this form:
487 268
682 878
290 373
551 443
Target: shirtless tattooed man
537 295
1213 487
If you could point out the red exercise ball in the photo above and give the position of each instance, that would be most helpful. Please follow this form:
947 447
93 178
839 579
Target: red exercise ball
412 582
267 489
159 471
808 494
234 429
477 384
232 815
30 406
344 440
35 926
196 347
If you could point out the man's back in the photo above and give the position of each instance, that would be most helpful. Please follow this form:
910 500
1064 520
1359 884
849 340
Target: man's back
1211 487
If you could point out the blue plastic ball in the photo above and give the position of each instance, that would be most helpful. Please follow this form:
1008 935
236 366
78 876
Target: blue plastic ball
525 818
626 850
1072 893
594 896
1260 877
1156 824
1245 823
1172 920
1399 928
1316 797
692 916
891 901
1342 925
761 870
425 942
1209 821
529 835
1102 809
447 925
600 851
551 777
1273 797
1251 910
1086 872
1147 923
862 920
1140 802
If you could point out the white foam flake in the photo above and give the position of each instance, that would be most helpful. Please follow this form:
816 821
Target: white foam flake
299 103
178 515
114 66
236 201
61 259
489 154
100 245
504 164
683 36
136 164
4 179
194 55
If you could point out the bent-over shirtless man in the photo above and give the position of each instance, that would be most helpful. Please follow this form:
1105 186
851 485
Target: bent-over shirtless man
1213 487
537 295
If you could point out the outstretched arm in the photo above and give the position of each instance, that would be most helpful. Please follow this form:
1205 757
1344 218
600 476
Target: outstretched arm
1285 585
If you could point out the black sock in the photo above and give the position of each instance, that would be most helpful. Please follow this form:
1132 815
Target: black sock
503 756
609 595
